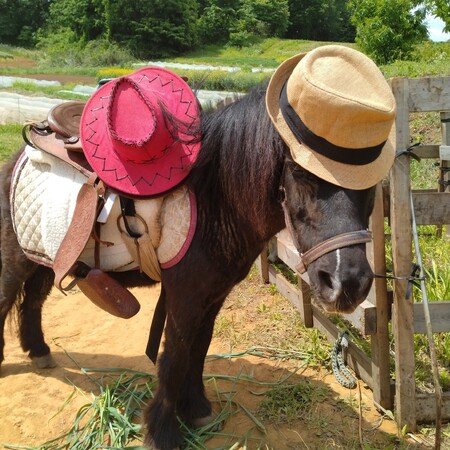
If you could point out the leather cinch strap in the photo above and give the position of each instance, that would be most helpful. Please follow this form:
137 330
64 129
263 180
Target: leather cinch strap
334 243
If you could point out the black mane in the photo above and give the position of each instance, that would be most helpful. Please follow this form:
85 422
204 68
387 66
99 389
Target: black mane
240 162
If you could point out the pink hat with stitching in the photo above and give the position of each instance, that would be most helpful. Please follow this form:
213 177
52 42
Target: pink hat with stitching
140 131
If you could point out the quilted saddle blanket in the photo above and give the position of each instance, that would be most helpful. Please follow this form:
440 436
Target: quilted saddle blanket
44 190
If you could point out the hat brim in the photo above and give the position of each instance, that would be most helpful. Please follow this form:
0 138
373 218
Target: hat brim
138 179
348 176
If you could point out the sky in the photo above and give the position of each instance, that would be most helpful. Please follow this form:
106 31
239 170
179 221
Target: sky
435 27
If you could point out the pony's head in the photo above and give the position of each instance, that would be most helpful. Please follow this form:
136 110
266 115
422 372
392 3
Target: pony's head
328 224
335 111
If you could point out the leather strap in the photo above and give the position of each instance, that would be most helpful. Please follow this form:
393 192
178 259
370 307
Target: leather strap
334 243
78 233
157 327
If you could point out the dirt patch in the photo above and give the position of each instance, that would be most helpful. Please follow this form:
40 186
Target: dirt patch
11 63
81 335
26 63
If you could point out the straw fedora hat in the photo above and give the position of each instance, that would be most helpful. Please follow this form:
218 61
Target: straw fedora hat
140 131
335 111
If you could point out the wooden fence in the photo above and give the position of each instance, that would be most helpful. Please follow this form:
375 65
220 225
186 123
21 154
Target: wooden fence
383 309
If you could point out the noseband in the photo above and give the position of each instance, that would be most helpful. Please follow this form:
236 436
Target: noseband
334 243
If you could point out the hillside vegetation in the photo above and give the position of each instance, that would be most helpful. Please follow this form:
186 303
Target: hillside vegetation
429 59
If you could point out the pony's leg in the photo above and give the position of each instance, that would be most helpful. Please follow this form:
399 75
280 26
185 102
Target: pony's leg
6 303
36 289
162 428
11 281
14 271
26 283
190 321
193 405
3 313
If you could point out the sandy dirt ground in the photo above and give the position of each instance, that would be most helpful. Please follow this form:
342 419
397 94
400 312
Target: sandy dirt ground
81 335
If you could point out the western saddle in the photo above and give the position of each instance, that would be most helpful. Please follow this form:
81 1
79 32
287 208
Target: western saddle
59 136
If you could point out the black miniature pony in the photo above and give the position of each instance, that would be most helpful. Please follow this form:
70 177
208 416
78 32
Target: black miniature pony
243 179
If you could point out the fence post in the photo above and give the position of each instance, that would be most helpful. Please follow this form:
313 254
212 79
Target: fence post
444 156
402 317
382 392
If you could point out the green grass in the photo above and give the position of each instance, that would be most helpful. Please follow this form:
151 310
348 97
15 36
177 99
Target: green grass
32 90
268 52
10 140
289 402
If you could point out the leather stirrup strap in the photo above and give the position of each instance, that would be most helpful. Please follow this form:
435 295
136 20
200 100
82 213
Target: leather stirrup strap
78 233
157 327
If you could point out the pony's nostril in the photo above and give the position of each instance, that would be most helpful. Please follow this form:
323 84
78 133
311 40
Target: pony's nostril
326 279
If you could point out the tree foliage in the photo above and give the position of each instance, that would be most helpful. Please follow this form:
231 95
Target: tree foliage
387 30
320 20
20 20
259 18
217 19
155 27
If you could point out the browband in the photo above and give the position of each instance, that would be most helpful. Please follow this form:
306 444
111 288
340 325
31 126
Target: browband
319 144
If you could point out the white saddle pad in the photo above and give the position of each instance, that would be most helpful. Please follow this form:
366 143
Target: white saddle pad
44 190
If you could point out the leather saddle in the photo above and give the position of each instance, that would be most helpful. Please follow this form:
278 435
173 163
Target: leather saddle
59 136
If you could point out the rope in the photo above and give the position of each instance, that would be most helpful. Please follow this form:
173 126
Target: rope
413 280
340 370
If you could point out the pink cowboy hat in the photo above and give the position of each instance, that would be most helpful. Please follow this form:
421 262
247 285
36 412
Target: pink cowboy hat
140 131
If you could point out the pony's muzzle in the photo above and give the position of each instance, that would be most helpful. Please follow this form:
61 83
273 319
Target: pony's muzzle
342 289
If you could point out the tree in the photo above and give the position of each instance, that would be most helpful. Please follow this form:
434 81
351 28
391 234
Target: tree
271 17
320 20
155 28
260 18
241 21
20 20
216 20
85 18
148 28
387 30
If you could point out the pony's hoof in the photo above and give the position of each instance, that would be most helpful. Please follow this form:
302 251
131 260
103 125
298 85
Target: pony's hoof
201 422
43 362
